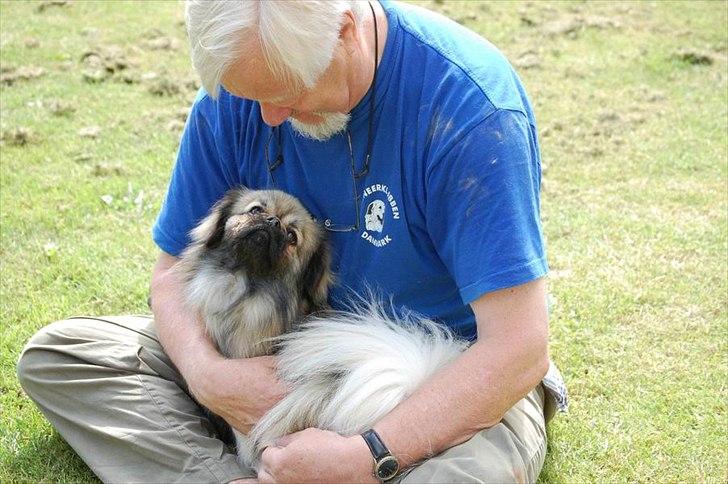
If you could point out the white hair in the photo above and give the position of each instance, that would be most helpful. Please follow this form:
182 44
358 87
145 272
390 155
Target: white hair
297 38
347 369
331 123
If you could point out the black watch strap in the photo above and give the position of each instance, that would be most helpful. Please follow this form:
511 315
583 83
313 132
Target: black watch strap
386 465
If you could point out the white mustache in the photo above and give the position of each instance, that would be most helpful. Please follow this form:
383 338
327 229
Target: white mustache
332 124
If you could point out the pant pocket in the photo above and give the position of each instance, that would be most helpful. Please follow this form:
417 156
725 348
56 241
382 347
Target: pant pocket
153 364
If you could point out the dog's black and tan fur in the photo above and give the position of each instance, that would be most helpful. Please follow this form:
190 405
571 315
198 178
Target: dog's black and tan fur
257 264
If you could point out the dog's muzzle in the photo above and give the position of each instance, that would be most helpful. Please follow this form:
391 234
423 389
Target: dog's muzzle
260 248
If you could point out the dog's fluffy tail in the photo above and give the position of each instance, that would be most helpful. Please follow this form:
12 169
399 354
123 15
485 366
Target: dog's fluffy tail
346 370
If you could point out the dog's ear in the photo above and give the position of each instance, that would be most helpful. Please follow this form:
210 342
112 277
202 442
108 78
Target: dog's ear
211 230
317 279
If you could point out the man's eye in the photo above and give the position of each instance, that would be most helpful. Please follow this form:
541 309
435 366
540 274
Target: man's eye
291 237
255 210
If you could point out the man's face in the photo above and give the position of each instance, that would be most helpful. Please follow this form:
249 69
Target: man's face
318 112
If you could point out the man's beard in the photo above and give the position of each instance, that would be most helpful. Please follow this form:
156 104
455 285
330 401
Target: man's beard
333 123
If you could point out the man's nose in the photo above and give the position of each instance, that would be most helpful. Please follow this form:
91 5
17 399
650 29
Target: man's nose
274 115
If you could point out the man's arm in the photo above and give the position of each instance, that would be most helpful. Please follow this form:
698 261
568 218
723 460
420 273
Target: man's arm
509 359
239 390
473 393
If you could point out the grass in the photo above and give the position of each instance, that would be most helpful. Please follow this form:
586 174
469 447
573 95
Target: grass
635 207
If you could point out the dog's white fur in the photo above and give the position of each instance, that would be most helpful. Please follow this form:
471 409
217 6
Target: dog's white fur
346 370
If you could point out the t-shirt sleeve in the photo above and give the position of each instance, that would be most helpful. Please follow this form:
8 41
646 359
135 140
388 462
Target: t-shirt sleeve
483 206
204 171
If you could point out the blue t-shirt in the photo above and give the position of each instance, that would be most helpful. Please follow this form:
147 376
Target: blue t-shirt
449 209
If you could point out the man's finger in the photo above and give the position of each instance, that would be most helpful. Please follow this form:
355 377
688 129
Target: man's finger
284 441
267 463
264 477
268 458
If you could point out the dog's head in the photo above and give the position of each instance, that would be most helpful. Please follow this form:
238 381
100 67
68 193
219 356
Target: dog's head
267 235
374 218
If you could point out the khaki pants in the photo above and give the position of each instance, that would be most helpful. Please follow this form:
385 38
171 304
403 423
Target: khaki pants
113 394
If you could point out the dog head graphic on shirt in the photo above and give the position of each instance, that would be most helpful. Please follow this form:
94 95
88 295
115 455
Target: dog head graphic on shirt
374 218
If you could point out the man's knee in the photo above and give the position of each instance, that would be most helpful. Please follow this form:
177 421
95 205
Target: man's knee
511 451
76 350
466 471
44 350
479 461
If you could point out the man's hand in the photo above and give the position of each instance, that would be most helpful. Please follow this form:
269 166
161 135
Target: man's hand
314 455
238 390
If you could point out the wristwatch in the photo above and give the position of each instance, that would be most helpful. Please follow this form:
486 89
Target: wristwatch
386 465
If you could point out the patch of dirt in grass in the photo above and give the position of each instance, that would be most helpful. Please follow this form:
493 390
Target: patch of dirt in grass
571 25
163 86
468 17
155 39
59 107
19 136
694 56
92 132
550 22
528 60
562 26
82 157
105 169
11 75
104 63
43 6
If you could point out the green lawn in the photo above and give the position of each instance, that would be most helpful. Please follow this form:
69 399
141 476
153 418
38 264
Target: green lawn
632 103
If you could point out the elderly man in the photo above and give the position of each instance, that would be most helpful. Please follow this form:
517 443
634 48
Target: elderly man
413 141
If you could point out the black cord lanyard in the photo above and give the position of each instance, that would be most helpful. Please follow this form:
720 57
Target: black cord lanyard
370 131
372 103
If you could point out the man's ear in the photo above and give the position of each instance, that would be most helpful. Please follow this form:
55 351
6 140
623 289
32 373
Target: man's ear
349 33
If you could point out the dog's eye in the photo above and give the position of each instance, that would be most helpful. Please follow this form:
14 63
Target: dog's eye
291 237
255 210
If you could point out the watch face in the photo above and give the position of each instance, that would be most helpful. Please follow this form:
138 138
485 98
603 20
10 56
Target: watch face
387 467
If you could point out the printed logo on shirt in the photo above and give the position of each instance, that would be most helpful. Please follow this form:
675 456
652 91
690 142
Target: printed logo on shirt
380 211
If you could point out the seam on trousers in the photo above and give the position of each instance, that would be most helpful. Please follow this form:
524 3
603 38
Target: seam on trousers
117 324
192 448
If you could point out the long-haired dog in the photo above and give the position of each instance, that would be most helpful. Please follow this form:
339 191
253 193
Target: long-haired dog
257 271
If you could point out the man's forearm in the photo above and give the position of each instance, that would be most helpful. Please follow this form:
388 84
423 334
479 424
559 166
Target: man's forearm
238 390
471 394
476 390
182 335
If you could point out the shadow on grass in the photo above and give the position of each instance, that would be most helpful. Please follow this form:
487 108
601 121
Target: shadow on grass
549 474
45 458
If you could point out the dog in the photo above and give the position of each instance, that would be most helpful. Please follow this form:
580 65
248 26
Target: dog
257 271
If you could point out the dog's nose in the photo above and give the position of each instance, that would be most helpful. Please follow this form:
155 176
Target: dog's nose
273 221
